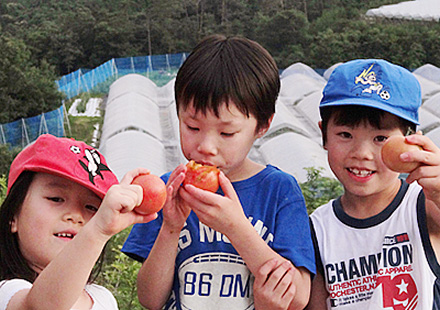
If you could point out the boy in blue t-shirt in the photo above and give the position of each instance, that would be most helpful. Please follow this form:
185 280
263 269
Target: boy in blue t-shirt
205 249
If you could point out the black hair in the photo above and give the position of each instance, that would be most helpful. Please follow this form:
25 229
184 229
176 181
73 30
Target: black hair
12 262
224 69
354 115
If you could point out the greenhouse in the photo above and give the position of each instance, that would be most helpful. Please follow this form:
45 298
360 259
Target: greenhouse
141 125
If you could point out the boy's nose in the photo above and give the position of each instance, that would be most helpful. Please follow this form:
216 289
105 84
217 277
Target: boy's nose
207 146
362 150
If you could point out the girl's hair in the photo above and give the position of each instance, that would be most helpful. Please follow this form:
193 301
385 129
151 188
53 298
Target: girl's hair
12 262
354 115
224 69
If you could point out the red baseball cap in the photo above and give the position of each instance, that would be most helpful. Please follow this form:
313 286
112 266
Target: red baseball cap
65 157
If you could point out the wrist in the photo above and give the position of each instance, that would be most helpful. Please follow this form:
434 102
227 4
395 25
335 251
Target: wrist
170 229
239 229
92 231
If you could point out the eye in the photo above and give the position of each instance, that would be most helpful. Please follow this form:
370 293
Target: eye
55 199
228 134
344 134
381 138
192 128
92 208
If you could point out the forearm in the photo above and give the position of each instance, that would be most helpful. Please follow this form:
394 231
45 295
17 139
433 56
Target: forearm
251 247
155 278
62 282
256 252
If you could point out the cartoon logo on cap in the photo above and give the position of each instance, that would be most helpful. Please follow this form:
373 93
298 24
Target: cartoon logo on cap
369 78
93 165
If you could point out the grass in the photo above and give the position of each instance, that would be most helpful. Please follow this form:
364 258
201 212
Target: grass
82 127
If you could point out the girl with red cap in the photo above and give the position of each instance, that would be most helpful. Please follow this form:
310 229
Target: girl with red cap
62 207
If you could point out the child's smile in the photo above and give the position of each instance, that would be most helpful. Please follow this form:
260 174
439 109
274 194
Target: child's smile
360 173
53 212
65 235
354 155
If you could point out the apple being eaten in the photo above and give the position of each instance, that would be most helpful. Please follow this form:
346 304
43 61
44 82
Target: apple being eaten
202 176
154 193
391 150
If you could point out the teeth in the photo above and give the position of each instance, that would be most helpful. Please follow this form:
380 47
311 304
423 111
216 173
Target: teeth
361 173
64 235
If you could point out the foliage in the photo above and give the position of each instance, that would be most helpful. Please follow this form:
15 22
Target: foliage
119 273
292 27
40 42
25 89
3 188
84 34
82 106
318 190
82 127
6 156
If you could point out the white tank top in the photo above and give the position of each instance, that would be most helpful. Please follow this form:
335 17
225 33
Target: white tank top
383 262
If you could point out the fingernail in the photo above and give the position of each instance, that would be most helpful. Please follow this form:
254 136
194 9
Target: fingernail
404 156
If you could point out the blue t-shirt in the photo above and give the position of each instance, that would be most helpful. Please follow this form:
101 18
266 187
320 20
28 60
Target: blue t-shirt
208 272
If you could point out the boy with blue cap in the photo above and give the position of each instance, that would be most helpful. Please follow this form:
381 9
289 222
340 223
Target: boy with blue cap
377 244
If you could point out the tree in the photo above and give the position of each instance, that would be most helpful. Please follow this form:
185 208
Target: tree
284 31
25 89
86 33
318 190
7 155
3 187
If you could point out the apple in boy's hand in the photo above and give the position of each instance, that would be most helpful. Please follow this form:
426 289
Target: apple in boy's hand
391 150
202 176
154 196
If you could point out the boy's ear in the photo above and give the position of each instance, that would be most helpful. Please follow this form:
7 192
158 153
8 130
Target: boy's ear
262 131
322 134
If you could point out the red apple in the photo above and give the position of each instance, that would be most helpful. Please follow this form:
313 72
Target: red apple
391 150
155 193
202 176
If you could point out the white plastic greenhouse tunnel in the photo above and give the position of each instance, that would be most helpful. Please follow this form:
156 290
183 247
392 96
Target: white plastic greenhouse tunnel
141 127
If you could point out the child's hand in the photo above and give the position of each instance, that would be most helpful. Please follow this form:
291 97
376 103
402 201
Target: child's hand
175 211
221 213
273 286
116 210
428 174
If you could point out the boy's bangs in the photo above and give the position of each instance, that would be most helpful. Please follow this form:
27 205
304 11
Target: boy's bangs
209 94
354 116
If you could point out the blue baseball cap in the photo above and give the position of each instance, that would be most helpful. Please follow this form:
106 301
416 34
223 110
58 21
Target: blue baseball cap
374 83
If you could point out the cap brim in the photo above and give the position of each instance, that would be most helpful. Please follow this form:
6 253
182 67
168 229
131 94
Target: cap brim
79 181
369 103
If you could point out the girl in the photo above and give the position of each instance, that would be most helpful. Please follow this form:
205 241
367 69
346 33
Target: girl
63 205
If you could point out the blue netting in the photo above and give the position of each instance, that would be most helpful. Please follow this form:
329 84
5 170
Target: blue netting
83 80
23 131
